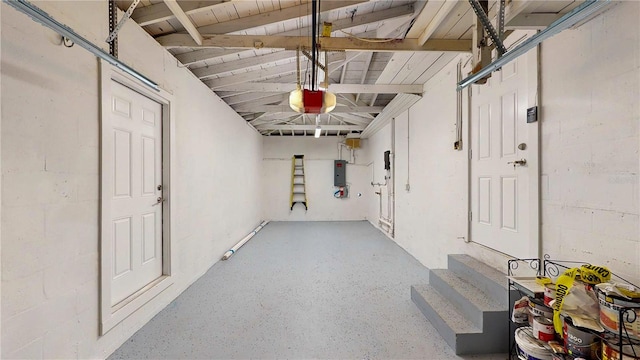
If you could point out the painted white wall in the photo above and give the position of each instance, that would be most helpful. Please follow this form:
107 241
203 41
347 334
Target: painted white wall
319 155
50 156
589 154
589 130
432 214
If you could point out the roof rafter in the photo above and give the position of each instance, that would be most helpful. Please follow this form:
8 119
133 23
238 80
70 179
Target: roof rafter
334 88
326 44
160 12
184 20
261 74
337 25
265 18
310 127
287 109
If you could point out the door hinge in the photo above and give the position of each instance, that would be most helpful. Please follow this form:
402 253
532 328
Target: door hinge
470 155
470 216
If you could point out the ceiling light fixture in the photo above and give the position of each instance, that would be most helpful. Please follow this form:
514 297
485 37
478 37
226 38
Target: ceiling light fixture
312 101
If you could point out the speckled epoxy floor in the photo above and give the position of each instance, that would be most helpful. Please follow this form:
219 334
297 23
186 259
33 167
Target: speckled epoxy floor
299 290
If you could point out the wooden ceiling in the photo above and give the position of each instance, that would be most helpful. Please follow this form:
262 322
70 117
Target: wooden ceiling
245 51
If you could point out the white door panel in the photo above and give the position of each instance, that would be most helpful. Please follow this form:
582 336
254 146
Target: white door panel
501 202
137 174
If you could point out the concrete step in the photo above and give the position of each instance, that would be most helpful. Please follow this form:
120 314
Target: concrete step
476 305
458 332
489 280
454 328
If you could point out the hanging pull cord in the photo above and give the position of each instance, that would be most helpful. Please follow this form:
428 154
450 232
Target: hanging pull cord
298 86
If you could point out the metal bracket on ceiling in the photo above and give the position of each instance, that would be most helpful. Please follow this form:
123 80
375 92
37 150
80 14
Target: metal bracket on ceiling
486 23
114 28
318 63
501 20
581 13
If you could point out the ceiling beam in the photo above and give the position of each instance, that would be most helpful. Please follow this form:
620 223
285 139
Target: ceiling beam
257 75
287 109
266 18
243 63
354 119
193 57
337 25
309 127
365 71
423 28
334 88
326 43
253 97
160 12
184 20
358 20
277 117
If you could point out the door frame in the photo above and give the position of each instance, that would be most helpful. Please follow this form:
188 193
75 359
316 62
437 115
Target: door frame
110 316
533 165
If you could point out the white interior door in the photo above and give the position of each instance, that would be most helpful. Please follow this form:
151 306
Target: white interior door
136 195
504 195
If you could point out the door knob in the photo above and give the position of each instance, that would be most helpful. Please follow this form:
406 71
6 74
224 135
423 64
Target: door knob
159 200
521 162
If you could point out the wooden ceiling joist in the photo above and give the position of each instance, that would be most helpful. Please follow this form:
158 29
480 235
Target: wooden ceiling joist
326 44
335 59
184 20
270 17
310 127
287 109
342 24
334 88
160 12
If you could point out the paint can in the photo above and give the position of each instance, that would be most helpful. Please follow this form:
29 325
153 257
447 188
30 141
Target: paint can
530 348
579 342
610 308
611 351
538 308
549 293
543 329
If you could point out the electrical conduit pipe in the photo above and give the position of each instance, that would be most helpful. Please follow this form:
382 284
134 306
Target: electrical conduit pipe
237 246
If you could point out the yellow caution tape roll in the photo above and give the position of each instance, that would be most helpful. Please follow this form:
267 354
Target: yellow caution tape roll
589 274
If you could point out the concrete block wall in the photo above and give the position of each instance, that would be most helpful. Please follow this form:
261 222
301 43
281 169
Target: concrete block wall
590 113
50 181
589 141
319 155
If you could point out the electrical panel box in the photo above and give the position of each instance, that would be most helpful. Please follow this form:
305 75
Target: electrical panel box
340 173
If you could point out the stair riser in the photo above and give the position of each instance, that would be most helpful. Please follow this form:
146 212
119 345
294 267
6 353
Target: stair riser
493 289
463 304
434 318
492 341
471 344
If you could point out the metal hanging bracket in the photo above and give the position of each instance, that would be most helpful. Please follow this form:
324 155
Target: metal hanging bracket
486 23
577 15
124 19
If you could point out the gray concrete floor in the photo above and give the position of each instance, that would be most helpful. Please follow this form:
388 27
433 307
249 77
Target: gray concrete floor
299 290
